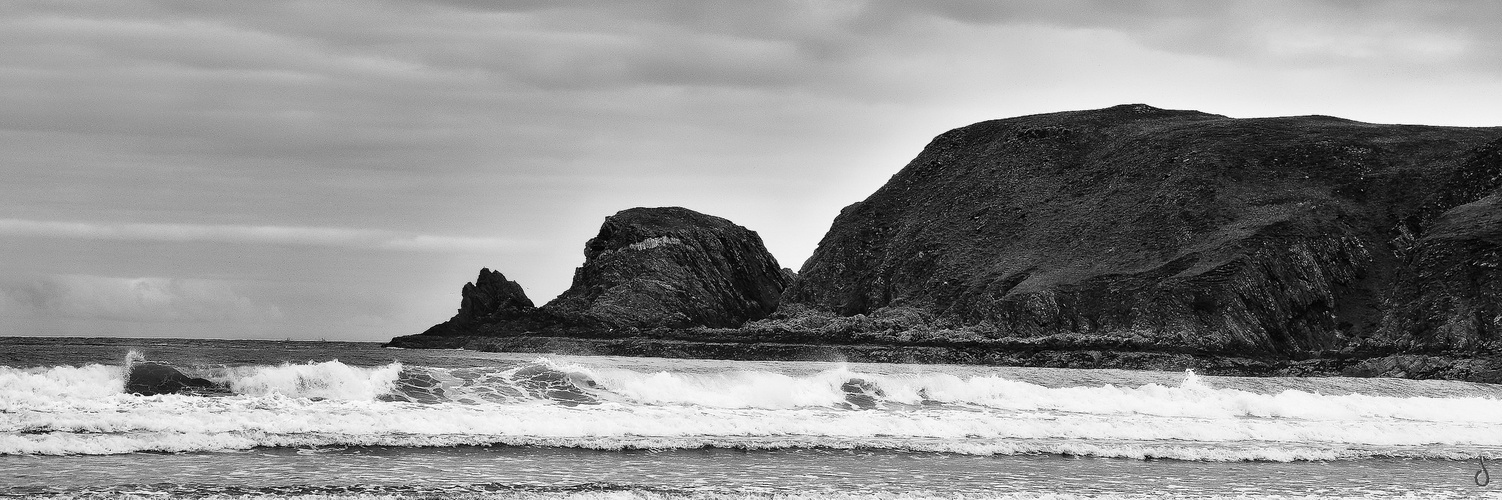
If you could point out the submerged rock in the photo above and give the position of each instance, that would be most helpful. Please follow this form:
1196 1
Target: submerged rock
150 379
861 393
1177 230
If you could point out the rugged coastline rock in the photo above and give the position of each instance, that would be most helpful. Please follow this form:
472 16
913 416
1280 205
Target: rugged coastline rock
1277 237
1125 237
672 267
1449 289
488 301
647 268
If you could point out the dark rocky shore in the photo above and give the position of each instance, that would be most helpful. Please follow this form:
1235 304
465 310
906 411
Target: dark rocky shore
1126 237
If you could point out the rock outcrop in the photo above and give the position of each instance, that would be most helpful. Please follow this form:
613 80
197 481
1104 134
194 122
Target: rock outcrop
1189 231
672 267
647 268
492 301
150 379
492 297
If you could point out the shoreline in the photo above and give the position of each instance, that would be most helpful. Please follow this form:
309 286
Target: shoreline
1468 367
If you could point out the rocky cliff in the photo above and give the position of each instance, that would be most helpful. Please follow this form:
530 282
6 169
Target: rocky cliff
647 268
1126 237
1448 290
1278 237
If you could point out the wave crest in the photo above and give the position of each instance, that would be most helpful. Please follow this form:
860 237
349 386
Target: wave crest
325 380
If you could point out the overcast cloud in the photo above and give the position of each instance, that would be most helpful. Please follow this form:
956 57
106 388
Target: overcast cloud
265 235
351 164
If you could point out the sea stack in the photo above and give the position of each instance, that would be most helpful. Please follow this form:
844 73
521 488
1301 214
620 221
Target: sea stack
1181 231
647 268
491 301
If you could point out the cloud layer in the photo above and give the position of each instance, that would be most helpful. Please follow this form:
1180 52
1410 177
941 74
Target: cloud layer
396 146
258 235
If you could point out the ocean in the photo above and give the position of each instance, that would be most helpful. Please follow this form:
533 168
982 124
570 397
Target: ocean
355 420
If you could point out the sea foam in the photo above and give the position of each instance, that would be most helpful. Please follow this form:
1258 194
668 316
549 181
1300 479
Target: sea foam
329 379
83 410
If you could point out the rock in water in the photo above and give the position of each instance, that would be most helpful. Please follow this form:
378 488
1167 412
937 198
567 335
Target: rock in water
1180 230
150 379
861 393
671 267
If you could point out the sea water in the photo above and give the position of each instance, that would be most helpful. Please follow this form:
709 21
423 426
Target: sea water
354 420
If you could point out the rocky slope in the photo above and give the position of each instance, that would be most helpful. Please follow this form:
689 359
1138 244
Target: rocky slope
647 268
1277 237
1448 291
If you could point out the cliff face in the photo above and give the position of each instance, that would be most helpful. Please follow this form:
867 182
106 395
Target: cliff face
1450 295
1282 236
672 267
1127 237
1448 292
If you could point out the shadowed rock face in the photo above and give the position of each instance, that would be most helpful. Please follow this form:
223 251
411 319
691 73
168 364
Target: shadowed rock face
492 300
1449 289
672 267
1449 294
1276 235
492 297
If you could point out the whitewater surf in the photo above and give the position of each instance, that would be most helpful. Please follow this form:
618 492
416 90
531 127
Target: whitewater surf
342 407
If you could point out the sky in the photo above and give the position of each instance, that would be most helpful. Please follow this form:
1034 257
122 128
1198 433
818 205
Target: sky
339 169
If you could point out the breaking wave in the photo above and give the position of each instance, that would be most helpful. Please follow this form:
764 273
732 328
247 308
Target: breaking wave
87 410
